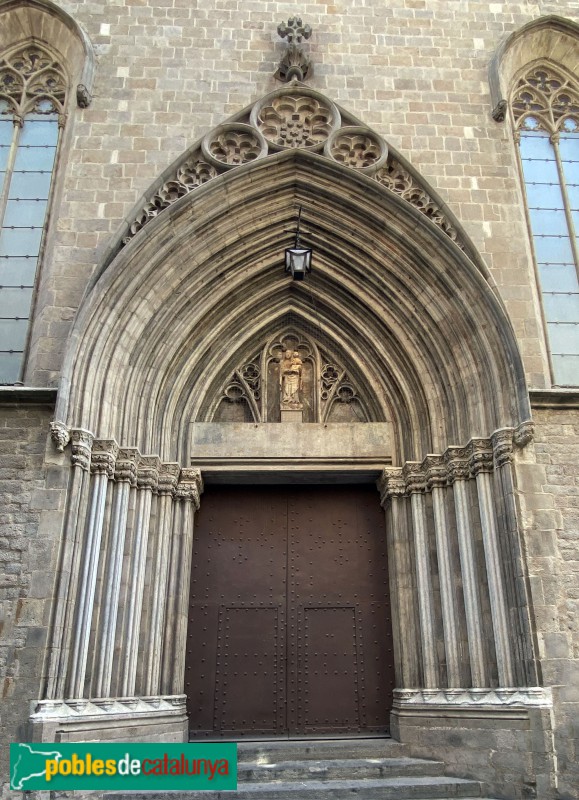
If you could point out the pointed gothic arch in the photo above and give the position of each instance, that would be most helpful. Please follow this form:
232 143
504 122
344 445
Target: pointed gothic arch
191 289
198 273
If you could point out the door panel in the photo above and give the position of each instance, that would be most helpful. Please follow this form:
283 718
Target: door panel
289 628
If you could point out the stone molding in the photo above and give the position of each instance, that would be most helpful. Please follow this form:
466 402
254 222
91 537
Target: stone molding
112 708
534 696
293 117
456 463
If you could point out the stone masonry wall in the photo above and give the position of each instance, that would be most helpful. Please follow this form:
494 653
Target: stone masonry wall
171 70
30 498
548 480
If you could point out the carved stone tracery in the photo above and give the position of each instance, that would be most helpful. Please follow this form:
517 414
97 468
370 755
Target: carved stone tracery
545 99
293 117
291 372
32 81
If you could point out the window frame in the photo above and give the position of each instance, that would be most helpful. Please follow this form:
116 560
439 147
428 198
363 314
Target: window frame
550 126
22 108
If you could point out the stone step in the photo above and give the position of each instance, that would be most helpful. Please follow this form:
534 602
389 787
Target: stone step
409 788
337 769
271 752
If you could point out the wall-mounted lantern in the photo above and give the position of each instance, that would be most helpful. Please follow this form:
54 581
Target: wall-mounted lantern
298 259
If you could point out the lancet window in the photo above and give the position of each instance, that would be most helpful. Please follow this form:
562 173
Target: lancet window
33 87
545 108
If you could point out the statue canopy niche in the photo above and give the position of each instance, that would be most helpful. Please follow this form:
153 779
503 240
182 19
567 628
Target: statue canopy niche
290 379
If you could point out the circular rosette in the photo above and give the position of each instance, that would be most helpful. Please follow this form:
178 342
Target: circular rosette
357 147
233 144
296 117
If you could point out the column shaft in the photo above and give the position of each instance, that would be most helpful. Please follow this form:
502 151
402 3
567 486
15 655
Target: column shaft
470 586
447 588
424 586
495 579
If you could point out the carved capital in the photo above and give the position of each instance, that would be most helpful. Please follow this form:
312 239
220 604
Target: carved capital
126 465
480 456
148 472
390 484
81 447
524 433
168 477
414 477
435 471
190 486
103 457
60 435
457 467
502 441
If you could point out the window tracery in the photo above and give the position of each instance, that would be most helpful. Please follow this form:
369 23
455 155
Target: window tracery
545 109
33 89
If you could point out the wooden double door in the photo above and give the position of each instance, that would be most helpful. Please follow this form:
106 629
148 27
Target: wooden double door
289 617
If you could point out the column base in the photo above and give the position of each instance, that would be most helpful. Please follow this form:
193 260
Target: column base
124 719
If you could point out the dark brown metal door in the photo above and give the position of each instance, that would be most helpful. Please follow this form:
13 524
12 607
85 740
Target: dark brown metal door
289 624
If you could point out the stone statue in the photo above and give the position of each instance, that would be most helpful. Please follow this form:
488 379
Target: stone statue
291 379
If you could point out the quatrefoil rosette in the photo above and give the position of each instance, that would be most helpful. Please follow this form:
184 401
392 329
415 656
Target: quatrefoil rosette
296 117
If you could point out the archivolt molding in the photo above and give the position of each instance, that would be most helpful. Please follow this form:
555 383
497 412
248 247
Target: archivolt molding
550 37
190 301
294 117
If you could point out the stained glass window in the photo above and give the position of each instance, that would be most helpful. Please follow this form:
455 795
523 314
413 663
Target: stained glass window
32 94
545 110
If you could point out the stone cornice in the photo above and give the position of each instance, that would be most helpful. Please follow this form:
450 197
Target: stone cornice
553 398
27 395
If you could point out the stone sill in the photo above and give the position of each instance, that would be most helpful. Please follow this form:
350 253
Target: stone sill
555 398
27 395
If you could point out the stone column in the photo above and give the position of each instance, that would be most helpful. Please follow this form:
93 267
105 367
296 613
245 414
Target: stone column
415 484
147 482
393 498
481 465
527 673
168 476
102 468
186 504
436 481
125 477
458 473
70 558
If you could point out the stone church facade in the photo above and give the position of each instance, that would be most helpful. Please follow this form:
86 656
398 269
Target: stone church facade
158 359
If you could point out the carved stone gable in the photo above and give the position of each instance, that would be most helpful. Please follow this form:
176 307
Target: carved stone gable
294 117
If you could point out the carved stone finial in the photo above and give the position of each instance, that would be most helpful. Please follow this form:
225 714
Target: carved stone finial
295 63
294 31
